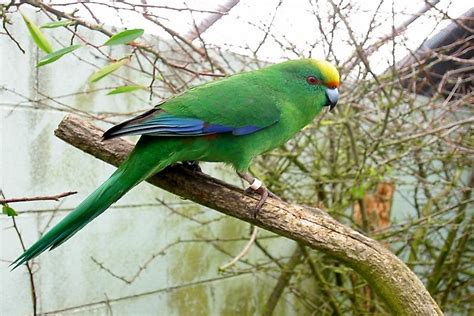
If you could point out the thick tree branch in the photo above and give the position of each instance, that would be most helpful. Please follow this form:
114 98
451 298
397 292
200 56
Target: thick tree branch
212 18
389 276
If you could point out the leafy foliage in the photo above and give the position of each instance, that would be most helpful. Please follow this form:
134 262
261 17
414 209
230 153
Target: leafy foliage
52 57
7 210
125 89
107 70
56 24
124 37
38 37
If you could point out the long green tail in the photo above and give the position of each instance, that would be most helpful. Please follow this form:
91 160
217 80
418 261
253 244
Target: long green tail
139 166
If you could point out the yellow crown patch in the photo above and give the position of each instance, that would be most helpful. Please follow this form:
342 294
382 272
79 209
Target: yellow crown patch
330 73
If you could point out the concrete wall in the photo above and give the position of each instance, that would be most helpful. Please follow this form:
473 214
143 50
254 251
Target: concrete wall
180 275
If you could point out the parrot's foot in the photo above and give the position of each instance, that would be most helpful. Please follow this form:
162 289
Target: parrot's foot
192 165
257 186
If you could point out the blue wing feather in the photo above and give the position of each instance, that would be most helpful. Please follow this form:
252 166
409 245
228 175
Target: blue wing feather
244 130
159 123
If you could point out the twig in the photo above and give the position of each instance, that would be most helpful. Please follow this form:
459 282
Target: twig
38 198
143 266
283 280
244 250
268 27
28 265
100 28
3 14
319 277
209 20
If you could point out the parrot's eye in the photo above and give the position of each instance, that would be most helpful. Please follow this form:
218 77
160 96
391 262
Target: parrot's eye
312 80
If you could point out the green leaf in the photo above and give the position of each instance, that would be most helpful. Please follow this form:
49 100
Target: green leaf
107 70
124 37
7 210
37 35
372 172
53 25
125 89
326 122
358 192
56 55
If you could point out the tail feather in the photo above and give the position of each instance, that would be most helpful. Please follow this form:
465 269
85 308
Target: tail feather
129 174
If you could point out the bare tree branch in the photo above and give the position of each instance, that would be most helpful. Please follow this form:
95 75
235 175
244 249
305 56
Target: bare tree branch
388 275
283 281
355 58
37 198
244 250
29 265
212 18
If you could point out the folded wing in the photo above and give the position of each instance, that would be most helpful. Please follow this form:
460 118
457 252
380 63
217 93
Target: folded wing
160 123
228 106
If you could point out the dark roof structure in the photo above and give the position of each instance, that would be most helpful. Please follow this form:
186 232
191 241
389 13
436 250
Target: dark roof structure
444 63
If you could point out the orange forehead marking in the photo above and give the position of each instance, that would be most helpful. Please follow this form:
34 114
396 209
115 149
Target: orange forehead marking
333 84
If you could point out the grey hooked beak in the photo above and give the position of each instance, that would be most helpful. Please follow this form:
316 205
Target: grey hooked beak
333 97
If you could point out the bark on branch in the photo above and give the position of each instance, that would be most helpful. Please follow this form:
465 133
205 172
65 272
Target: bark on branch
403 292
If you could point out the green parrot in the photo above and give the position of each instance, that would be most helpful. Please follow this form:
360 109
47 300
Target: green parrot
231 120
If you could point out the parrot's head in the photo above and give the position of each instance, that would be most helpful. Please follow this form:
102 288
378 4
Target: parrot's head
319 78
328 77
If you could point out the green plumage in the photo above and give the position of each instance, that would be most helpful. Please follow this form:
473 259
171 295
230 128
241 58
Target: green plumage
269 105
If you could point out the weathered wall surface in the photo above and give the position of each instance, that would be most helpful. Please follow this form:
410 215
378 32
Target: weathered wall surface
180 251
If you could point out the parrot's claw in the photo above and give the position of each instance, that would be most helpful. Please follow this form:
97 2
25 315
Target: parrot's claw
264 194
260 189
192 165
